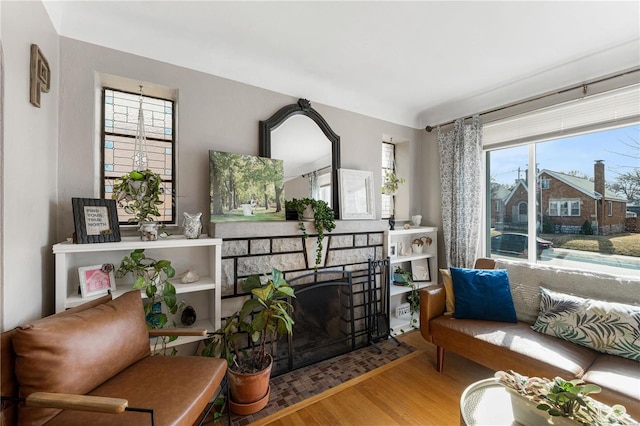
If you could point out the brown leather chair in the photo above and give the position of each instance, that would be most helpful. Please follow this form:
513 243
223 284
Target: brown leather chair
93 365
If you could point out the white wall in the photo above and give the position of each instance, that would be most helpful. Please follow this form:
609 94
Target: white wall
29 172
212 113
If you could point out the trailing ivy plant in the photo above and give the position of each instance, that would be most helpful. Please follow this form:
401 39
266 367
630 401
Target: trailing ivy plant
323 219
153 276
139 194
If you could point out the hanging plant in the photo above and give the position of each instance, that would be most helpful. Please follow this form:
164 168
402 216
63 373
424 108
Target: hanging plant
323 219
139 194
391 183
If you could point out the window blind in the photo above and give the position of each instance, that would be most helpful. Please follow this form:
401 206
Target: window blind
615 108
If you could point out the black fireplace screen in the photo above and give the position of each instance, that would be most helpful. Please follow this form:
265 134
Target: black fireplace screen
324 320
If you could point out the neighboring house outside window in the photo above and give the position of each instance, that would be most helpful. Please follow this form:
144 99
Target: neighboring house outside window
120 118
564 208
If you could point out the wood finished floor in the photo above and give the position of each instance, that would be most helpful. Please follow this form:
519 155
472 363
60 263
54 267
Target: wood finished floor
409 392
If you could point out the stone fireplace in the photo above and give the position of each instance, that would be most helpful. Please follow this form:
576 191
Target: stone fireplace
329 308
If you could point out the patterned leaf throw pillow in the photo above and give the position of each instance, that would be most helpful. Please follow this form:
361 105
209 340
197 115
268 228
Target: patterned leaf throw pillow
612 328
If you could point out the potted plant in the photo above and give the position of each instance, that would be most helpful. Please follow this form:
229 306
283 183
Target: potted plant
139 194
558 398
263 318
405 278
153 276
390 185
317 211
401 277
418 243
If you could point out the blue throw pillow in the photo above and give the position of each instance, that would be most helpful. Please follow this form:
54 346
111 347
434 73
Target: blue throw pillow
483 294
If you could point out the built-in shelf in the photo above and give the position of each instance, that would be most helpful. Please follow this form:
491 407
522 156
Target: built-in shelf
398 245
204 293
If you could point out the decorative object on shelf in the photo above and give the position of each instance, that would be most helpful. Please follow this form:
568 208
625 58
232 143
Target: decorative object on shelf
401 277
421 270
192 225
190 276
393 250
415 220
95 220
406 226
245 188
264 317
356 194
96 280
390 185
403 310
153 276
39 75
404 249
559 398
417 244
188 317
323 219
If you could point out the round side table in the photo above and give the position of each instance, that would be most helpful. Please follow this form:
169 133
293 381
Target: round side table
486 403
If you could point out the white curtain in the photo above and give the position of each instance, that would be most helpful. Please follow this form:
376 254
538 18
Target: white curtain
461 176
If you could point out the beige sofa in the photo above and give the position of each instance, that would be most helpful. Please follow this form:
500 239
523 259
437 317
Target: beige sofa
515 346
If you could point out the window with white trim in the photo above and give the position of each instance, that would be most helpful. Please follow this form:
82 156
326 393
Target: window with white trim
566 141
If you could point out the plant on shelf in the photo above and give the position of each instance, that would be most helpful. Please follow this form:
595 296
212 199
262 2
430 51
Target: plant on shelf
422 241
323 219
153 276
264 318
565 398
139 193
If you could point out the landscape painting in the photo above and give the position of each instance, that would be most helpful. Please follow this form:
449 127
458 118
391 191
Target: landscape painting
245 187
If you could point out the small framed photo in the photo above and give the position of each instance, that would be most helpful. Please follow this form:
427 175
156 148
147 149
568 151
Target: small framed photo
421 270
95 220
393 250
97 279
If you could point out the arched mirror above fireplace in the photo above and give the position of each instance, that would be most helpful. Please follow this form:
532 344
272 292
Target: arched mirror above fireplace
309 148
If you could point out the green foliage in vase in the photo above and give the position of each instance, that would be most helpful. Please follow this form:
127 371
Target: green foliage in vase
263 318
391 183
323 219
139 194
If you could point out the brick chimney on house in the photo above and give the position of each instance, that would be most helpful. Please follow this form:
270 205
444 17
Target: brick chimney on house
598 186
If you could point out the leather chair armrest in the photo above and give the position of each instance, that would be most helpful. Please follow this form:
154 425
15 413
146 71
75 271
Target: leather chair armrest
77 402
159 332
432 304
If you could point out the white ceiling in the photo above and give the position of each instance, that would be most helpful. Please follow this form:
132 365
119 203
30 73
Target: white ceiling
412 63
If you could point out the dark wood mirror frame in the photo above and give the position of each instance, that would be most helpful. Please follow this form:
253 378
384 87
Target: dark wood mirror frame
303 107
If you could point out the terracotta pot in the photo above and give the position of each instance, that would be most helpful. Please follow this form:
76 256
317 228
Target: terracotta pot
247 389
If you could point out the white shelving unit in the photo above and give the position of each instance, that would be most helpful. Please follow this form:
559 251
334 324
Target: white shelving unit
202 254
404 257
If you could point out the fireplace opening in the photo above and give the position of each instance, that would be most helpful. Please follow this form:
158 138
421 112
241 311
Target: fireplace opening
324 326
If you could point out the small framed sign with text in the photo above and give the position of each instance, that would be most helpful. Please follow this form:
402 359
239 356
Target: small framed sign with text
95 220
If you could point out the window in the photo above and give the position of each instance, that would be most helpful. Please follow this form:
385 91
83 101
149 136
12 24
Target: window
388 165
564 208
592 152
120 112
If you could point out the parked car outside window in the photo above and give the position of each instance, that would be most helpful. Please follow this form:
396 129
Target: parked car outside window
516 244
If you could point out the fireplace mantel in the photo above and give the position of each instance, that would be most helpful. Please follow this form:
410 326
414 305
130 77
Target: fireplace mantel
289 228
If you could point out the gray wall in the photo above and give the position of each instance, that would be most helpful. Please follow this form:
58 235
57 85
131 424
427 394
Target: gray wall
29 166
212 113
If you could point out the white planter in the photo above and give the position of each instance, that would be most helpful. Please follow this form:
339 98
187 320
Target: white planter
526 413
149 231
417 248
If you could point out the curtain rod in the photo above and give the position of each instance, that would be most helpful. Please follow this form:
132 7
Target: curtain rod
559 92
